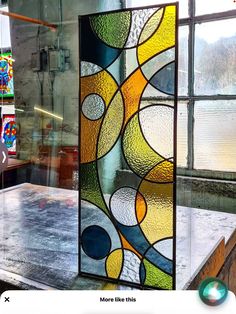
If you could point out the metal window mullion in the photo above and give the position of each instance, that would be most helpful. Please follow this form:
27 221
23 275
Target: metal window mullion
190 159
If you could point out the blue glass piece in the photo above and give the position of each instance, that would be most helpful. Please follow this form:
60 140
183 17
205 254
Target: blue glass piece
159 260
135 236
96 242
94 50
164 80
142 273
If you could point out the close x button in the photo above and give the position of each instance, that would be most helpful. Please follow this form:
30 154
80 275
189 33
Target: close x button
3 157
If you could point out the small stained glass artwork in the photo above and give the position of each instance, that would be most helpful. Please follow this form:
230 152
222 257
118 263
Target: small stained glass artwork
6 75
128 150
8 134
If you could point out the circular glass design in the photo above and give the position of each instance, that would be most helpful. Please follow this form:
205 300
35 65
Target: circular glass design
93 107
96 242
213 291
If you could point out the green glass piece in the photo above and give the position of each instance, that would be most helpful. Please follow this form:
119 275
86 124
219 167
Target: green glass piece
113 29
90 189
157 278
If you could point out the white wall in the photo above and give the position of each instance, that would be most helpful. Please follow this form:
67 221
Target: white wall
5 40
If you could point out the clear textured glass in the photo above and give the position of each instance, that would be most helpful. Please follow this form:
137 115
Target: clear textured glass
215 135
213 6
215 61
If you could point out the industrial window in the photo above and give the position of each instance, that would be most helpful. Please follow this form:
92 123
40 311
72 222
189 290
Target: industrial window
206 87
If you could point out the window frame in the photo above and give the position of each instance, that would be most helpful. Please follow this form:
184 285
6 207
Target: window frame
191 21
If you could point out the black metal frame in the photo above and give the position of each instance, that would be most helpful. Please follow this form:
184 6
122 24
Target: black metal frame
175 99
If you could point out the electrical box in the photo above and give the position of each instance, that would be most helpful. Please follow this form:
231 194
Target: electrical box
50 59
57 60
39 61
36 61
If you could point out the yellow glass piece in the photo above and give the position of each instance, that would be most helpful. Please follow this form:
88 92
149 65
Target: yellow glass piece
157 278
139 155
158 222
94 84
114 263
162 39
163 172
128 246
132 90
151 26
141 207
110 130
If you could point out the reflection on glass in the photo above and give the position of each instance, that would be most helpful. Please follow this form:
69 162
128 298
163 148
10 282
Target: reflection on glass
215 135
5 40
213 6
183 5
183 61
39 126
215 60
182 134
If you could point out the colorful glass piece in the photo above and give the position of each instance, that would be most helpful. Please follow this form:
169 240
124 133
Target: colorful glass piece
114 264
8 134
112 28
162 39
93 49
139 18
151 26
6 75
164 79
157 63
96 242
127 155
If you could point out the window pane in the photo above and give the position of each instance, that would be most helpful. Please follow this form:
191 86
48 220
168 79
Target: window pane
183 5
182 127
215 135
5 41
213 6
215 58
183 61
182 134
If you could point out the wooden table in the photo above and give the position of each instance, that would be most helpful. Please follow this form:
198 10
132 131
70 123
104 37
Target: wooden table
14 163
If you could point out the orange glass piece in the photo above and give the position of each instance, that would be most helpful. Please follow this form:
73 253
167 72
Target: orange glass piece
132 90
128 246
141 207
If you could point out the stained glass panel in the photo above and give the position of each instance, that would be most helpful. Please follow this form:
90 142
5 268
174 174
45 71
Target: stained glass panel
127 150
8 136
